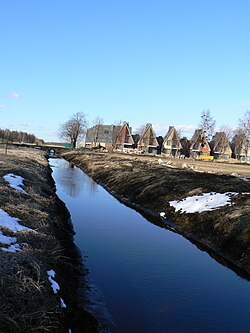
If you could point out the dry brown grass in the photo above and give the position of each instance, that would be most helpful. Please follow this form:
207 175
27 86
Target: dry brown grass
27 302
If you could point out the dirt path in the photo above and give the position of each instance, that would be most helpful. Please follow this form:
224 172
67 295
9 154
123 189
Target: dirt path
149 184
45 244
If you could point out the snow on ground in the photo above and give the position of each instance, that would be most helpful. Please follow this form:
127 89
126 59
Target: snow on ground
204 202
55 286
15 182
7 240
12 248
245 179
11 223
11 241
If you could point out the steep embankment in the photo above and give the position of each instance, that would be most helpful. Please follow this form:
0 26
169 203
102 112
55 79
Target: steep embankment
149 185
37 254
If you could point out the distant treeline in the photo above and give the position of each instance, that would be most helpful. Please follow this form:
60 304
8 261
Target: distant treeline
7 135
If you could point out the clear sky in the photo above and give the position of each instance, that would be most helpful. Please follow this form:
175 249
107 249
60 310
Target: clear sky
156 61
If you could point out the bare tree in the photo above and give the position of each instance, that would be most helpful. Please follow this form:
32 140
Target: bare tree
179 131
240 142
140 130
245 123
207 123
228 131
74 129
97 124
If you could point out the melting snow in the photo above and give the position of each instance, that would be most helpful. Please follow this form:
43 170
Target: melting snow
10 222
63 305
204 202
15 182
12 248
7 240
245 179
55 286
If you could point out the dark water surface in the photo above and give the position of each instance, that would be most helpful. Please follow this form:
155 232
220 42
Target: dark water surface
147 279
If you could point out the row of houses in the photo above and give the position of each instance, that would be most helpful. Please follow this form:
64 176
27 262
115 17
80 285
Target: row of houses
112 137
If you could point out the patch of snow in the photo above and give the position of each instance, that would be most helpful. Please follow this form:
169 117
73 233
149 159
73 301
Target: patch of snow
245 179
7 240
12 248
163 214
10 222
204 202
54 284
63 305
15 182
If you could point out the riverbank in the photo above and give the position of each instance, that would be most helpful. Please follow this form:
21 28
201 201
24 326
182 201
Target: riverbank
41 268
152 185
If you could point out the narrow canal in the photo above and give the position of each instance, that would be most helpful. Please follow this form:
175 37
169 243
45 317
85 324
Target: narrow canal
145 278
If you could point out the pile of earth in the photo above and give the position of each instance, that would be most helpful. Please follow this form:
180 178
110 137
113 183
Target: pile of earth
150 183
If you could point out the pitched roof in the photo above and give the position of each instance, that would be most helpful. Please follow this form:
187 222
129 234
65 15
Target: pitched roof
101 133
174 137
198 139
220 144
126 135
148 137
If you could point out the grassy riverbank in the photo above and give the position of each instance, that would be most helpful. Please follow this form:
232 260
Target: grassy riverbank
151 185
41 269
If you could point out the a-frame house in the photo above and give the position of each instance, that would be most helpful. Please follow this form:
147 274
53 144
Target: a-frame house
220 146
124 139
199 145
241 147
148 142
171 144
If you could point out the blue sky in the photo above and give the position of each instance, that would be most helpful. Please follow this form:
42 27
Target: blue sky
141 61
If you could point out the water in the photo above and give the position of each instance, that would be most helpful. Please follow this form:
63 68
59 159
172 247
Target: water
145 278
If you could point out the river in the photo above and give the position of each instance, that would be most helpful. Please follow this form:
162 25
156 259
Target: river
143 278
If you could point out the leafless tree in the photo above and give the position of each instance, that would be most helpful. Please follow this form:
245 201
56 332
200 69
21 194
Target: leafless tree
245 123
207 123
240 142
74 129
228 131
97 123
140 130
179 131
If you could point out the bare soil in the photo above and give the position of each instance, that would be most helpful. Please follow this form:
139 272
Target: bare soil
27 301
148 183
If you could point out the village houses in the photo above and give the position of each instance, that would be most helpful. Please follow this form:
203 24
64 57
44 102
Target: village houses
120 138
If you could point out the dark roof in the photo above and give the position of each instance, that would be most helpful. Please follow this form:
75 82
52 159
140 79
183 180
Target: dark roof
197 138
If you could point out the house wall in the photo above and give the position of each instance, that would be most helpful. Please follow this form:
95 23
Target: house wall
148 143
219 156
124 137
100 135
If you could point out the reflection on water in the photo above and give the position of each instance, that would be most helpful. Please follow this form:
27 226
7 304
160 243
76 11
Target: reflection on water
70 178
152 280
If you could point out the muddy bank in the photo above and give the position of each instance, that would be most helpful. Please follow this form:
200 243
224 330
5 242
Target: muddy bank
45 244
148 184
